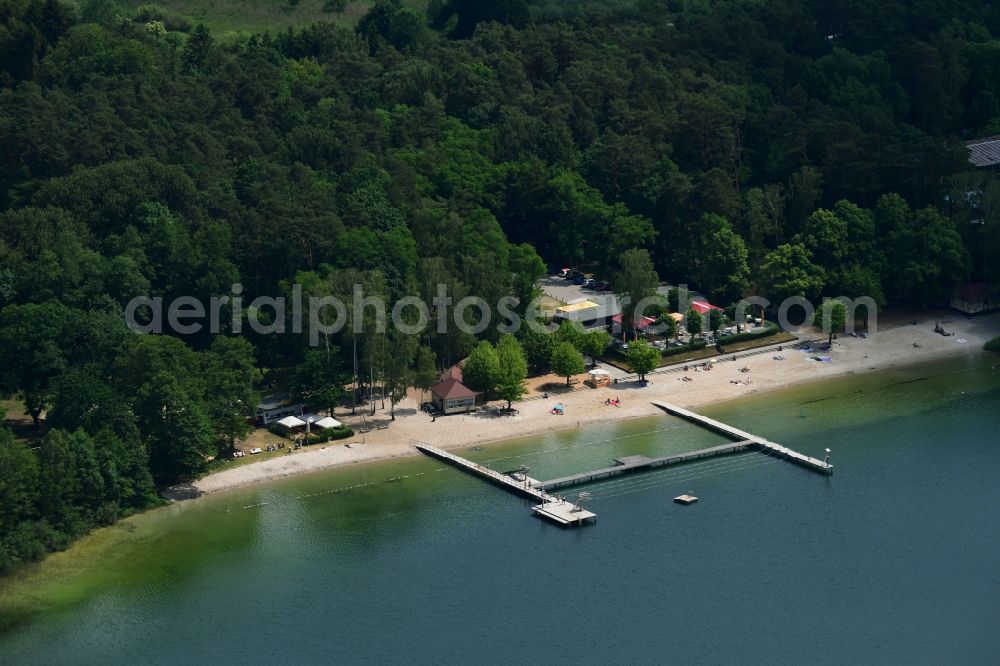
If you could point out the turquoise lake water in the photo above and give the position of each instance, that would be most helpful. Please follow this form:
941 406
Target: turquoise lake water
893 559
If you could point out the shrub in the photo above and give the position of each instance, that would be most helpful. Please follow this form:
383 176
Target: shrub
993 345
27 542
330 435
697 345
770 329
147 13
6 561
176 23
317 437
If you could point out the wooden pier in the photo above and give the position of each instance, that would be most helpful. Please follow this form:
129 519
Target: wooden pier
743 437
564 512
630 464
556 509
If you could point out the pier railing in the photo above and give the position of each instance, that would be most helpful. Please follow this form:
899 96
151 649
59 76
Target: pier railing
778 450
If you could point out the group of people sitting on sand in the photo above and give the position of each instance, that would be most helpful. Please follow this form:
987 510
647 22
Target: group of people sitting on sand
614 402
738 381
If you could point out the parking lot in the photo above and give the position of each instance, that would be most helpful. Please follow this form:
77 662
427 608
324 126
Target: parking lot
565 291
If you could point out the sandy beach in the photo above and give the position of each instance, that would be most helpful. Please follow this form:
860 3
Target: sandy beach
897 343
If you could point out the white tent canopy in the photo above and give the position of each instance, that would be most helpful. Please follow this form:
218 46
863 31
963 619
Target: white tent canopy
328 422
599 372
292 422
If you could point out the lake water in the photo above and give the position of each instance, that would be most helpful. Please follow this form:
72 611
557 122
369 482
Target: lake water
893 559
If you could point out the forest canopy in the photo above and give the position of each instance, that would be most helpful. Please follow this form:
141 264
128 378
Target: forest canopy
789 147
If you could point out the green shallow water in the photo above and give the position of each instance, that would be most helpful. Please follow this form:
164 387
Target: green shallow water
892 559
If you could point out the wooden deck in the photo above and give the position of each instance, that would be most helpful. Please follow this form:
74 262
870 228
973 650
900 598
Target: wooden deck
563 512
555 509
736 434
631 464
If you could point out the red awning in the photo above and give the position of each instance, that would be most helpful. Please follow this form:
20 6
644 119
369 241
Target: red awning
702 307
645 323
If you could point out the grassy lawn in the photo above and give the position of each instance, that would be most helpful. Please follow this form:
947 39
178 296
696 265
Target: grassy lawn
547 305
14 409
19 422
259 438
253 16
220 464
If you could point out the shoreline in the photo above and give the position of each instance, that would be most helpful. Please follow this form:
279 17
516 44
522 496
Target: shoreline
893 347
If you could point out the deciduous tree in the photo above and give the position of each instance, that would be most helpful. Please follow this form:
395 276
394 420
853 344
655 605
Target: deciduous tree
567 361
693 322
642 358
481 371
635 280
513 369
831 317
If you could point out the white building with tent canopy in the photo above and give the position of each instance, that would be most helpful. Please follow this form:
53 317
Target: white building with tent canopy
276 407
310 422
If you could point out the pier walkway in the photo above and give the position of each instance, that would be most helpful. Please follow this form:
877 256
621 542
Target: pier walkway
555 509
742 436
629 464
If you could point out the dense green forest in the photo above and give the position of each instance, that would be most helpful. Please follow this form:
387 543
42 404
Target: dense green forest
787 147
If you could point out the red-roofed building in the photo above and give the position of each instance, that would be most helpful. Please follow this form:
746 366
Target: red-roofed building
973 299
450 395
703 307
454 372
640 325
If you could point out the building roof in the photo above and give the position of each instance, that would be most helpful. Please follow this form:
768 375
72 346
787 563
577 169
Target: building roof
703 307
646 322
452 389
454 372
974 293
275 401
328 422
576 307
984 152
600 307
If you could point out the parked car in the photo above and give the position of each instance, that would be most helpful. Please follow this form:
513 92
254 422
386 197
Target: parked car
590 283
565 272
579 279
